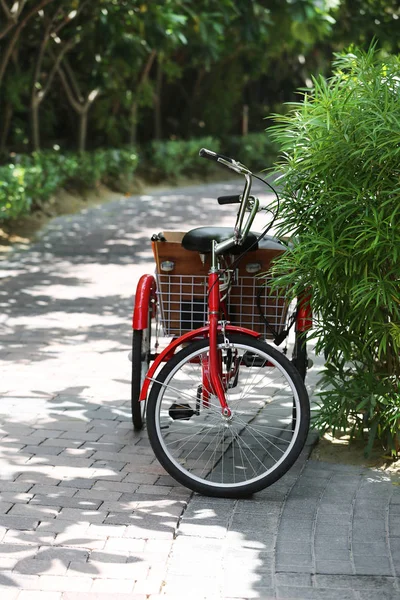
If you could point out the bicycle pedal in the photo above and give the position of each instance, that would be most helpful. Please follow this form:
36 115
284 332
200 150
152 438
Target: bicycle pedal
182 412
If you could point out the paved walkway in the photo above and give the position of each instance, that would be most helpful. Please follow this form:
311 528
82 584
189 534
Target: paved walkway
86 511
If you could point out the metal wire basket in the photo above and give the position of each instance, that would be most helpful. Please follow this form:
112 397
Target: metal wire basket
251 303
182 289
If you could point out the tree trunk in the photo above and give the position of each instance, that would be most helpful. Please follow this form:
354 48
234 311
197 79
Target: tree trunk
83 123
80 106
135 104
134 121
157 101
35 142
8 113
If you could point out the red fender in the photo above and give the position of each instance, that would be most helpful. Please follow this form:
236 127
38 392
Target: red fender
145 291
202 332
304 320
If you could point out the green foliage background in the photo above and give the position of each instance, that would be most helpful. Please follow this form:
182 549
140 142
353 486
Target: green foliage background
167 68
80 75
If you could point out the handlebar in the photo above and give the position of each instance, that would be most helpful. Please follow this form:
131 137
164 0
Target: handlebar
242 227
229 199
224 160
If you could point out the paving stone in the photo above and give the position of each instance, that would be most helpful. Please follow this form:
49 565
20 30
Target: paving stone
18 551
66 502
27 537
38 595
28 510
5 507
52 491
15 486
372 565
357 582
113 586
371 595
101 596
313 594
77 483
284 559
95 494
337 567
42 450
88 542
293 579
37 566
18 522
65 555
82 514
370 549
64 583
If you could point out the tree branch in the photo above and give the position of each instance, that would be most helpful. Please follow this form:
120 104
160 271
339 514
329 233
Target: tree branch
67 47
146 70
76 105
39 60
68 18
6 29
8 51
20 7
12 15
6 9
74 81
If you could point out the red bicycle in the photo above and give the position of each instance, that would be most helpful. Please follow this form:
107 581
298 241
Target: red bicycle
227 413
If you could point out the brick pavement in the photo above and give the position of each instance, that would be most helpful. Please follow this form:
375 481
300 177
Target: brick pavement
86 511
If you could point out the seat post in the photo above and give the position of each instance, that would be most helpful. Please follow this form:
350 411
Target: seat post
214 261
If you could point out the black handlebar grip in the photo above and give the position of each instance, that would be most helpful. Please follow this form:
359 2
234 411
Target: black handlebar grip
229 199
211 155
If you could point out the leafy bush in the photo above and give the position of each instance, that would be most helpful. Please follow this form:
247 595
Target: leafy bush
256 150
30 180
174 158
341 197
121 166
13 197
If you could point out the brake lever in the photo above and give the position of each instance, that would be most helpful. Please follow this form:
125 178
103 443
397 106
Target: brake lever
235 166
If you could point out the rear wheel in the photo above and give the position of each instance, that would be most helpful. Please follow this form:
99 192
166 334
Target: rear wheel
141 356
299 357
236 456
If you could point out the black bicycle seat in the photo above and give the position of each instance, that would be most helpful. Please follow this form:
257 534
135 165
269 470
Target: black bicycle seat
199 240
269 242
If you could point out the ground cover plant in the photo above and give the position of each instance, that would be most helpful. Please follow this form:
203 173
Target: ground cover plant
340 175
28 181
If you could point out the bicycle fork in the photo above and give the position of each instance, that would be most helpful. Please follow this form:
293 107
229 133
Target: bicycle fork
215 366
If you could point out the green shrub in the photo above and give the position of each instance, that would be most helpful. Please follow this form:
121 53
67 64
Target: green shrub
257 151
174 158
121 166
30 180
341 196
13 198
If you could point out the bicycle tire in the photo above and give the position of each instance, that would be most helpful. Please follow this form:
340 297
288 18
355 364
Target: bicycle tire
215 456
300 357
141 349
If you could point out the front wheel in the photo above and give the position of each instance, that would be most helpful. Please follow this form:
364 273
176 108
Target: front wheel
232 456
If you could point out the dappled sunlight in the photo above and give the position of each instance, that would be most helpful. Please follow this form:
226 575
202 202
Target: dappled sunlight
87 499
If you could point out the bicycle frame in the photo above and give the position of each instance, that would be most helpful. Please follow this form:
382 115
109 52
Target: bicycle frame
216 306
218 390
